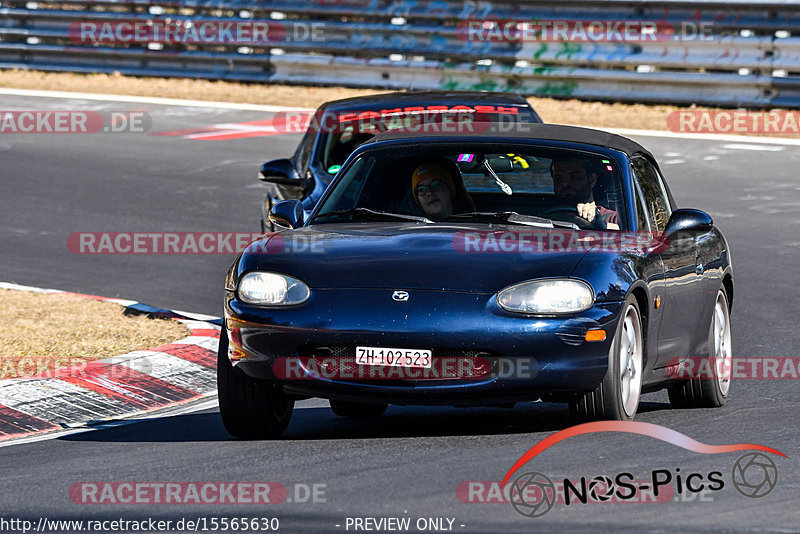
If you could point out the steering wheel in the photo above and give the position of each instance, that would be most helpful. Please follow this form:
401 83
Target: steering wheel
572 211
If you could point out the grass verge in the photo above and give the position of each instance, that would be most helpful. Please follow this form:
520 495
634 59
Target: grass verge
41 332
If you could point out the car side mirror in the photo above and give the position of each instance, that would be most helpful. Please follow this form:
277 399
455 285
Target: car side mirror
280 171
287 214
689 221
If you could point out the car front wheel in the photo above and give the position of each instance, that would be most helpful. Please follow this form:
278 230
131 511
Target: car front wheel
617 396
710 392
249 409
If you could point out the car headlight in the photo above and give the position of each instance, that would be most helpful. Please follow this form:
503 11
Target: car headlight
547 297
272 289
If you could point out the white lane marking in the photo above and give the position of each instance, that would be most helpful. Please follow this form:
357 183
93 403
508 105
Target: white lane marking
198 325
149 100
673 161
205 402
702 137
206 342
710 158
17 287
123 302
672 154
198 316
743 146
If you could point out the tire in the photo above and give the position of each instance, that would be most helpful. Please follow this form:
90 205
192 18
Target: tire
358 409
617 396
710 392
266 226
249 409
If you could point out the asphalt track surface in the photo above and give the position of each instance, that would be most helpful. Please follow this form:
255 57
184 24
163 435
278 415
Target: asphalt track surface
408 463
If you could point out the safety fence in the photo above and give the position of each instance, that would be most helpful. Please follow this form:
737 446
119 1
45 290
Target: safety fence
676 51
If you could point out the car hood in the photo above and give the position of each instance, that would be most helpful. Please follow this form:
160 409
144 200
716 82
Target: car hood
408 256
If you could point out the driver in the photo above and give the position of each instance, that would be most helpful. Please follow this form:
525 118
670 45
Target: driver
573 185
434 190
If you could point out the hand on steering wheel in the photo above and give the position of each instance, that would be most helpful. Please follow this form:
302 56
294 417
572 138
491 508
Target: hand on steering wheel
577 212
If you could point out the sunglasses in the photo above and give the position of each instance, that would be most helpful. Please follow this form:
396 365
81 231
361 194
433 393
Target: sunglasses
433 187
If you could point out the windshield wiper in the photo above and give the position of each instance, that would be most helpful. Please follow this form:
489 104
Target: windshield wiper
367 213
515 218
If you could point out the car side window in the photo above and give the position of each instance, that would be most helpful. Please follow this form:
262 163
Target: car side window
642 219
305 148
654 193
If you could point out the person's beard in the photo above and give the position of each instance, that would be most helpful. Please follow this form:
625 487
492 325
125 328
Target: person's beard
579 196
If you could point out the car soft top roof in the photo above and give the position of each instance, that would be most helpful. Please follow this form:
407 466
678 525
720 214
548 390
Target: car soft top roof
422 98
525 132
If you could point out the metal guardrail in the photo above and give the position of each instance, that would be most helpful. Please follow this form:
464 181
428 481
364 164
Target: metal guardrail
748 58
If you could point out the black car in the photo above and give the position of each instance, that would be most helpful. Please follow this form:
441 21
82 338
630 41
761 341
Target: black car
514 292
333 134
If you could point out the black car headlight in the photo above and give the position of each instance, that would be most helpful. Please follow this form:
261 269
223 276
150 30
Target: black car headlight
547 297
272 289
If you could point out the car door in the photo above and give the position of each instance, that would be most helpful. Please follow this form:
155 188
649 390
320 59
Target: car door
652 271
682 300
711 257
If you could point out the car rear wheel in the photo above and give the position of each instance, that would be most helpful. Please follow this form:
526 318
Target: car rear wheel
357 409
249 409
710 392
617 396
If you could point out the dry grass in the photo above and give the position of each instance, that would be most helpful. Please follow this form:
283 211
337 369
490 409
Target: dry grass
42 332
597 114
218 91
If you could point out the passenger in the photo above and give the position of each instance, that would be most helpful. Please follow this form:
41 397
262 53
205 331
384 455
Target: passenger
573 185
434 190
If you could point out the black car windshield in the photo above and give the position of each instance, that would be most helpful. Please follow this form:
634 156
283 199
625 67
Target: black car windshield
346 131
486 183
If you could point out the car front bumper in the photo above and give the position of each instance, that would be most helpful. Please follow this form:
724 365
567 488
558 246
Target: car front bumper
529 356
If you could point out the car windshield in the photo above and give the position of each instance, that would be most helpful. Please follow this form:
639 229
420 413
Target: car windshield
344 132
517 185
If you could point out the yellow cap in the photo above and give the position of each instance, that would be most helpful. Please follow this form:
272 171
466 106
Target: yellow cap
431 170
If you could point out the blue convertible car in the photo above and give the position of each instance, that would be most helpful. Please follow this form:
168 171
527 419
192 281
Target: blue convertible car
547 263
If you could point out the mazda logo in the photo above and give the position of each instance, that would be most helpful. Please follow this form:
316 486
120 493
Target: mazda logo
400 296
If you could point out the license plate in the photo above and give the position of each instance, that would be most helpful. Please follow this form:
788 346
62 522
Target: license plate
394 357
